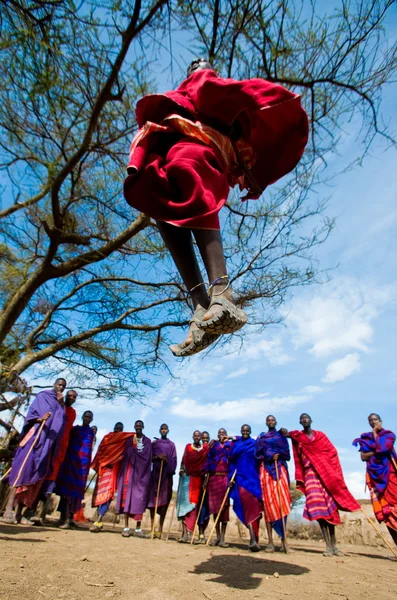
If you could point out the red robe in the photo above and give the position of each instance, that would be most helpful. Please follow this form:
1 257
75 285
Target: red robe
184 158
324 459
194 462
107 464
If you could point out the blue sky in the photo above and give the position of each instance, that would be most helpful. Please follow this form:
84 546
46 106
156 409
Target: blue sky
334 355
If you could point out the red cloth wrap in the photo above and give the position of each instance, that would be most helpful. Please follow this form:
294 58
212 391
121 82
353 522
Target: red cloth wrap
269 117
194 462
111 450
324 459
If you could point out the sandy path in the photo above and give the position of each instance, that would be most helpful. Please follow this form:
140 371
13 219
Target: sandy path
47 563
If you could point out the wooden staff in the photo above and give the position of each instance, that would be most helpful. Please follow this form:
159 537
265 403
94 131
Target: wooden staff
379 532
218 516
281 507
91 480
30 450
173 510
393 460
5 474
157 499
198 514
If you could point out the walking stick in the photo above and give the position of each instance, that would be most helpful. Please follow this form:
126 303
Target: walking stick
91 480
30 450
281 507
222 506
157 499
198 515
393 460
173 510
5 474
379 532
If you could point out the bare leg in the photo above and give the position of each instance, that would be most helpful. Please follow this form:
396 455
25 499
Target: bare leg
270 545
218 531
126 531
152 518
185 534
163 513
210 245
326 536
253 543
222 542
179 242
393 534
8 514
335 549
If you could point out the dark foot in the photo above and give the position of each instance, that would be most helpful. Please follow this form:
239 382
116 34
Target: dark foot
254 547
126 532
270 548
183 540
96 527
328 552
196 340
337 552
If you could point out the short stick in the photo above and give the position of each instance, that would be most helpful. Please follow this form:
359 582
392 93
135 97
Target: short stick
198 515
91 480
281 507
379 532
218 516
157 499
5 474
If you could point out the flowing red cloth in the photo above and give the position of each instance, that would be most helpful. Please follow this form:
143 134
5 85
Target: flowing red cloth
107 464
324 460
269 128
194 463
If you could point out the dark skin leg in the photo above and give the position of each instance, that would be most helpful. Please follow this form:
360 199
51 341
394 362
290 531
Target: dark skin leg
326 535
393 534
269 530
253 540
220 532
179 242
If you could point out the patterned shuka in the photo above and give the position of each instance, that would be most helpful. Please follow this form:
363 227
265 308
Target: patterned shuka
73 474
218 468
267 445
319 476
381 475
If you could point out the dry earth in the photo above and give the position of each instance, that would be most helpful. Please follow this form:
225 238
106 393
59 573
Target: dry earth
40 563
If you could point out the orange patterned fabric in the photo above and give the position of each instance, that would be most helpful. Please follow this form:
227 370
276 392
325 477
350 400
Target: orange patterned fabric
270 496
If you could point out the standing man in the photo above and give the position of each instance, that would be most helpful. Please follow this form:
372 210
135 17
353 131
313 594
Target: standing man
133 484
218 469
163 453
246 492
378 452
33 461
107 465
73 474
192 487
319 476
272 449
193 143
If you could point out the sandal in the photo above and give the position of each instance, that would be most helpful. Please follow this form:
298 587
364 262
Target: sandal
270 548
96 527
9 519
126 532
228 320
254 547
200 339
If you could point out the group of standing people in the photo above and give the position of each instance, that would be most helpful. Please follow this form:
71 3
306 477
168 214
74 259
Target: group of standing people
55 456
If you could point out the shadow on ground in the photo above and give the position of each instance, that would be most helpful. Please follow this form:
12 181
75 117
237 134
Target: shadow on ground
239 572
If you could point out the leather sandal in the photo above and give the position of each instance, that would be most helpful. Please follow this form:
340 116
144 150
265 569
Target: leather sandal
228 320
200 339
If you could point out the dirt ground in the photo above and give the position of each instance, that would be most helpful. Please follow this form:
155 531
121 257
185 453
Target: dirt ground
47 563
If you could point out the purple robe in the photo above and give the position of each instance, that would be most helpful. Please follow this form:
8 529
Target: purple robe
133 483
39 462
168 448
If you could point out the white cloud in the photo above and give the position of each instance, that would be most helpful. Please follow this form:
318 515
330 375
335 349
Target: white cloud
245 408
238 373
342 368
272 350
340 317
355 481
312 389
